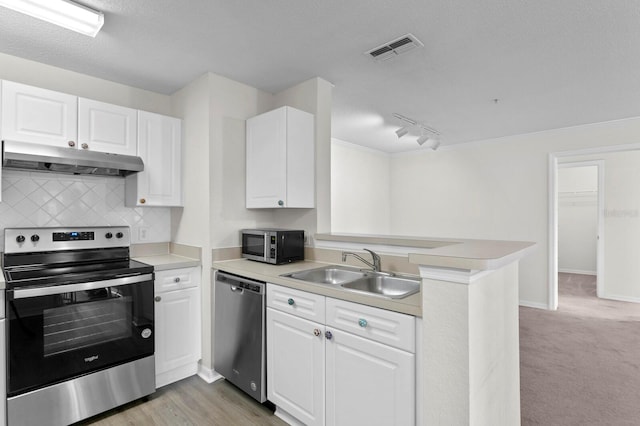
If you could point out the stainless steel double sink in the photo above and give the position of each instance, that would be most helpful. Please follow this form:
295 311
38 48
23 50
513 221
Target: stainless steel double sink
361 281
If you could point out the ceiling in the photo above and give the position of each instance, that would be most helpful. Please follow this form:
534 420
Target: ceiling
488 68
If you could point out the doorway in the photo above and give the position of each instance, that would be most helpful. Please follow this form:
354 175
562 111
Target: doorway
579 228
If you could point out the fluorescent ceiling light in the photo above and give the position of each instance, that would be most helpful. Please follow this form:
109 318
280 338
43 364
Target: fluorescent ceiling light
60 12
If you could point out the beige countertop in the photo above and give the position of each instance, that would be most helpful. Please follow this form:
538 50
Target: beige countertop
168 261
441 252
411 305
3 285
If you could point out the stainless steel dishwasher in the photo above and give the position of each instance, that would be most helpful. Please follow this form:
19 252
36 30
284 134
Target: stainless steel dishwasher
239 348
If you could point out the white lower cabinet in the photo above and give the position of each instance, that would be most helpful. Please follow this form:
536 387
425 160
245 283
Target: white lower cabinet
177 325
296 366
355 368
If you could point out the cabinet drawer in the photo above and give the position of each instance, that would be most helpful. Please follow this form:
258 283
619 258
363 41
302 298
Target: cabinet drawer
175 279
391 328
296 302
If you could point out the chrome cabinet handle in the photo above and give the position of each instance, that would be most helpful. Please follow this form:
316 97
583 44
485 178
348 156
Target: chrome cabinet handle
291 302
157 298
84 146
316 332
71 144
362 322
328 335
176 280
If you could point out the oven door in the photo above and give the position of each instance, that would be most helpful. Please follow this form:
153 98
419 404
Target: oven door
256 245
59 332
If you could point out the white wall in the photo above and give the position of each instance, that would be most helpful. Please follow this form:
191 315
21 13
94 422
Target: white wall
359 189
577 219
494 189
313 96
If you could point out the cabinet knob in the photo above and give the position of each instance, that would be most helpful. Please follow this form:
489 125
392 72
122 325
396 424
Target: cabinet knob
280 203
328 335
316 332
362 322
71 144
291 302
157 298
176 280
84 146
142 201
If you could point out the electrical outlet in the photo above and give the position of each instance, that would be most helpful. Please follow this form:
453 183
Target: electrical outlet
143 233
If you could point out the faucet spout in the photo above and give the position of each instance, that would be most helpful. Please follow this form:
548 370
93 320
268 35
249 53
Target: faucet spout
375 257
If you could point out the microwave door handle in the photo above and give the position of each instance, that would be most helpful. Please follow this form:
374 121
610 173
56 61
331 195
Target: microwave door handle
267 246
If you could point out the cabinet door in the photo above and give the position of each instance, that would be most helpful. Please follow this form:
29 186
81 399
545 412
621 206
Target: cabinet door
368 383
267 160
32 114
177 326
295 366
107 128
301 172
159 140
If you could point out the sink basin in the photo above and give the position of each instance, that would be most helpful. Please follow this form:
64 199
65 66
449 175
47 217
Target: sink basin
335 275
389 286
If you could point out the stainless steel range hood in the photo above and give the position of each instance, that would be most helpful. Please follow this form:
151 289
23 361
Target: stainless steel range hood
45 158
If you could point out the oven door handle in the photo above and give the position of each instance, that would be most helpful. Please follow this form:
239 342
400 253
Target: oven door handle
24 293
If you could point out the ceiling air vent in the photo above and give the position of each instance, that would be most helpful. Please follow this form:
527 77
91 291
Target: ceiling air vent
394 48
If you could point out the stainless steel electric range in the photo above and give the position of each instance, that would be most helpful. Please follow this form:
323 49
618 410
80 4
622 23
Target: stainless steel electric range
80 336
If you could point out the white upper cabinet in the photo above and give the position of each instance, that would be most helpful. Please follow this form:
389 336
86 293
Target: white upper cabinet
159 146
107 128
280 159
32 114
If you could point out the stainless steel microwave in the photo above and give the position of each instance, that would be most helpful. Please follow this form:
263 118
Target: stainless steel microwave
272 245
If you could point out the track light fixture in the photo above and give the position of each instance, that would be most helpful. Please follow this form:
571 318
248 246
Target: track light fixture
426 133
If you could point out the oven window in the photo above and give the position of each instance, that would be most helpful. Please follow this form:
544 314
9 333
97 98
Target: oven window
55 337
253 244
80 325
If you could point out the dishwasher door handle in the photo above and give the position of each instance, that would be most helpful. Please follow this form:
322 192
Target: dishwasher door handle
236 289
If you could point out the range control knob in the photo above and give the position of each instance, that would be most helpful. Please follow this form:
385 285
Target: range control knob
108 235
20 239
35 238
119 235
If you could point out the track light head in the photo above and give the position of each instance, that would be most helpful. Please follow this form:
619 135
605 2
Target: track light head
436 144
422 139
402 131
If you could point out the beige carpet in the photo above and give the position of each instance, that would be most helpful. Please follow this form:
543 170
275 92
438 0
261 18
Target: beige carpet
580 365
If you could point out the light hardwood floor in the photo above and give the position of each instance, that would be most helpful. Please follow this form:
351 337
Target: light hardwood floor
191 401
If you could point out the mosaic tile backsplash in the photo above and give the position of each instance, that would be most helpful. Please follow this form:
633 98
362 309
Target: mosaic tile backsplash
32 199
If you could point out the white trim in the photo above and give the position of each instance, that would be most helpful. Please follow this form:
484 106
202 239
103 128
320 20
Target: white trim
577 271
208 374
459 276
621 298
286 417
352 145
552 297
536 305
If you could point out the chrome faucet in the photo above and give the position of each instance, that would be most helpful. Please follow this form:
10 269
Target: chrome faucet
376 259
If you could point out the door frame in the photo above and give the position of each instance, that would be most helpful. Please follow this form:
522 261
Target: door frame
554 157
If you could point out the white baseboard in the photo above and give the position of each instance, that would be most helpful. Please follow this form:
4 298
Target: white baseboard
207 374
621 298
537 305
577 271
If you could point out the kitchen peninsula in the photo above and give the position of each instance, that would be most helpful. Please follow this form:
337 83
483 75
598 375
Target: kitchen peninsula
468 365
